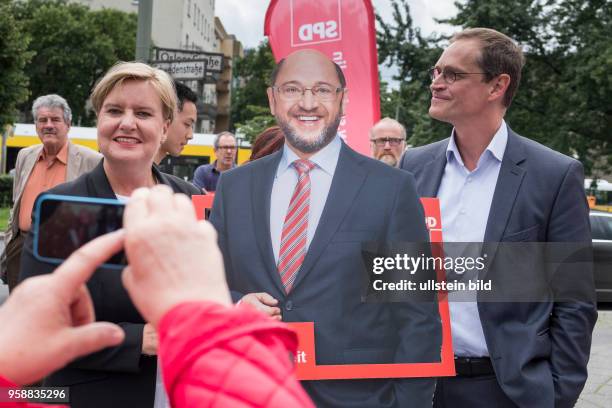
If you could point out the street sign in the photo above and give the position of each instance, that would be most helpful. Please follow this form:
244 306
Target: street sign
214 61
186 70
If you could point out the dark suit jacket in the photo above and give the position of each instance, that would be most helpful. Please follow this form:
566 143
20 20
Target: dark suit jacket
539 350
367 201
118 376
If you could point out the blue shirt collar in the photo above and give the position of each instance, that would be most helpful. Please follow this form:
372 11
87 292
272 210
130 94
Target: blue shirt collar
325 159
496 147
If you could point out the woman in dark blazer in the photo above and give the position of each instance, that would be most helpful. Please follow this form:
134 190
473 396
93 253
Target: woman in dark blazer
134 104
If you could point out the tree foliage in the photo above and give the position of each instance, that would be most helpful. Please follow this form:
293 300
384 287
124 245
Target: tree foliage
260 119
564 97
73 47
250 112
402 45
13 58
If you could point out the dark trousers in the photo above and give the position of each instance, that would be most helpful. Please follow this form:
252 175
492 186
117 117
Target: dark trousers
13 260
470 392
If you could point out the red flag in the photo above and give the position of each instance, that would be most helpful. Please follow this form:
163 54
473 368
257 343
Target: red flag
344 31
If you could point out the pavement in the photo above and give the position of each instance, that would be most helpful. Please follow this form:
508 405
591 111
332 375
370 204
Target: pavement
598 389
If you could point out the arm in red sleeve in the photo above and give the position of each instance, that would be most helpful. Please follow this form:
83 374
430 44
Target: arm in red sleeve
4 384
238 357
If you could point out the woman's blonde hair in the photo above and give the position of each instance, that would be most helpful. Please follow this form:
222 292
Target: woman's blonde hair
138 71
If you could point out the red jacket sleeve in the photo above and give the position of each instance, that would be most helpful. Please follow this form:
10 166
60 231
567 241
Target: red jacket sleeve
5 384
213 355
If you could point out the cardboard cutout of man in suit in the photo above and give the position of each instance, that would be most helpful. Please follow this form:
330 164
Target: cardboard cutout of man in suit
291 238
495 186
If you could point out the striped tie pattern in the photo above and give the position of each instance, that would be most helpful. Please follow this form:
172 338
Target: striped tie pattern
295 228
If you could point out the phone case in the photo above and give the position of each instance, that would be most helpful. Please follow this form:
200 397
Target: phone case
65 198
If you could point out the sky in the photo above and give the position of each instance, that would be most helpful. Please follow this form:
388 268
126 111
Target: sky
245 19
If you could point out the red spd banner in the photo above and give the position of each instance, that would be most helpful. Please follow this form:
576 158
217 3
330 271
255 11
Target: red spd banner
344 31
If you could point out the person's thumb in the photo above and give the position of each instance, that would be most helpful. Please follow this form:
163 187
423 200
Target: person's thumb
92 337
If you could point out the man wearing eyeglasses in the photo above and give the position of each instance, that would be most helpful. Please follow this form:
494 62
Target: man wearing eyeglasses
497 186
291 226
206 176
388 141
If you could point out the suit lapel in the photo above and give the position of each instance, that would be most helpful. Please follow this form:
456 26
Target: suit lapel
261 191
74 162
507 188
346 183
28 166
429 181
98 184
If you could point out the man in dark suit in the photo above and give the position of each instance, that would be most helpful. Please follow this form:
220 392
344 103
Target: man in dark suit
291 225
495 186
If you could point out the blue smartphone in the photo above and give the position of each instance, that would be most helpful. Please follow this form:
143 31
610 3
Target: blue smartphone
62 224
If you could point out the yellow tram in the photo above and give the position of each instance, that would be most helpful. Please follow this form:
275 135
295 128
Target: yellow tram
199 150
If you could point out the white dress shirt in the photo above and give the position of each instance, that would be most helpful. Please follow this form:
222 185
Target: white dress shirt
286 178
465 201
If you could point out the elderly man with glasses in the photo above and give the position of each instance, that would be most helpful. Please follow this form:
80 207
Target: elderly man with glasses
388 141
206 176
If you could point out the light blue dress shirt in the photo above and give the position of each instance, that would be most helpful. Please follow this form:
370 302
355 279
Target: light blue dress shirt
285 180
465 201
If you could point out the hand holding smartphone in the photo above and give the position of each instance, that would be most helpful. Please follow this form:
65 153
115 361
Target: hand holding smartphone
62 224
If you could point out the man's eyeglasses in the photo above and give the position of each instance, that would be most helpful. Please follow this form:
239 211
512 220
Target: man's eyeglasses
228 148
326 93
448 75
393 141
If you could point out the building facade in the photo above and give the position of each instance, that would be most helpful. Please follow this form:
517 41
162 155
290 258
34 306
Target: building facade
231 48
190 25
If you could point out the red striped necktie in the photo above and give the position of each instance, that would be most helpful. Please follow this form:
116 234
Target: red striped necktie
295 228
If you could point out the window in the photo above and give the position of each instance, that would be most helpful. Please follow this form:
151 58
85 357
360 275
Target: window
186 40
194 13
188 8
601 227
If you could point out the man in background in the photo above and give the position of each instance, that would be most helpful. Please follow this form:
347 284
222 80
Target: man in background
206 176
39 168
388 141
180 131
